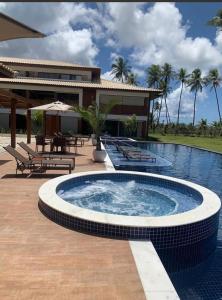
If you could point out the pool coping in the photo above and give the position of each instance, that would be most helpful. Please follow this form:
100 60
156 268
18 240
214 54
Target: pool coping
210 205
154 278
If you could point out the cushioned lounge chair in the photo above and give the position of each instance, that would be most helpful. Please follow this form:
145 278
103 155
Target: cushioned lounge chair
33 154
138 156
38 165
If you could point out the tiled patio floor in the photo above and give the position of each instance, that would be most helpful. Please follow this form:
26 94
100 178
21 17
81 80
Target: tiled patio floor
5 140
42 260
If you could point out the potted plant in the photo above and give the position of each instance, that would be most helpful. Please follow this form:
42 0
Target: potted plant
96 116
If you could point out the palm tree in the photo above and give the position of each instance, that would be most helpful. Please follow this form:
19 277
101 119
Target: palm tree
153 76
167 75
203 126
153 80
217 20
196 84
121 69
214 79
182 76
165 91
155 113
132 79
96 116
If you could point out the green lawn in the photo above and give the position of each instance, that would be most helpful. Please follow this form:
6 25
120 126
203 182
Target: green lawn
214 144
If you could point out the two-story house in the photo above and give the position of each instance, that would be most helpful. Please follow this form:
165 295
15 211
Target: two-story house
26 83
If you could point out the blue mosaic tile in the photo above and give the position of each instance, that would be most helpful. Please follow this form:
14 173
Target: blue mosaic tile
187 244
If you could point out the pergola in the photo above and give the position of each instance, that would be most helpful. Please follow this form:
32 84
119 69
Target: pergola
12 29
10 100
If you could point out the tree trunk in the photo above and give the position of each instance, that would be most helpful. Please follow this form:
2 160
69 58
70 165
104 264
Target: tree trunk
178 114
158 120
98 145
166 110
218 106
168 114
194 107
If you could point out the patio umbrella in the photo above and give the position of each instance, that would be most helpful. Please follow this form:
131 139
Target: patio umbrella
56 106
12 29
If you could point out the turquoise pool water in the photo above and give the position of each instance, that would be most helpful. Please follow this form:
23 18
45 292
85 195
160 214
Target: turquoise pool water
204 168
131 198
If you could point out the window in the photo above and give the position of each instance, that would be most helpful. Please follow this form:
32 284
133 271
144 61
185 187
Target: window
58 76
65 76
85 78
32 74
73 77
78 77
48 75
21 73
71 99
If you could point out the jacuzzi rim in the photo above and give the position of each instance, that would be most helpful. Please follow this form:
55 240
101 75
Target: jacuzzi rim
210 205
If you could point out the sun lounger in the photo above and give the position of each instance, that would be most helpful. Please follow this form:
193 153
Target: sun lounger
33 154
139 156
38 165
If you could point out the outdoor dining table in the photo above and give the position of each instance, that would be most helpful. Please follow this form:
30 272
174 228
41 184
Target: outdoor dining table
69 142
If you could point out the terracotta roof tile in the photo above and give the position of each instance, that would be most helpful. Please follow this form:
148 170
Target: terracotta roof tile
103 84
42 62
6 70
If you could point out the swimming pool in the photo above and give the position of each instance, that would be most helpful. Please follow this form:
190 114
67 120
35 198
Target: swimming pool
204 168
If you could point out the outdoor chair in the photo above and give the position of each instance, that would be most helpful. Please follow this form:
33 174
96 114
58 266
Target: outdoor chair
40 141
59 141
37 165
72 142
33 154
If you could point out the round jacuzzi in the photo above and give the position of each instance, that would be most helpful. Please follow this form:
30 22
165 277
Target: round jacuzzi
179 217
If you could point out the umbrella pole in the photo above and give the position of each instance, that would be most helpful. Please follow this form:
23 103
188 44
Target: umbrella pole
57 123
44 123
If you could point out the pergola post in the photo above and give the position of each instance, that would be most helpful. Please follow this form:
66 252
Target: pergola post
28 125
28 120
13 123
148 116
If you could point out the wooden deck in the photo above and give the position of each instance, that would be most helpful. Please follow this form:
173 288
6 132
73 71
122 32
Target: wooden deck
42 260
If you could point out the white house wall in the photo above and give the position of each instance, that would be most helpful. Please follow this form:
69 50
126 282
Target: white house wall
125 98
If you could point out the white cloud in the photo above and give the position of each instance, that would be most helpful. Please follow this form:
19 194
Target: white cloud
114 55
150 35
139 72
56 19
158 35
187 100
107 75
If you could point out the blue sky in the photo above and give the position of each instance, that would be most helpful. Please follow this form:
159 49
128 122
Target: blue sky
96 33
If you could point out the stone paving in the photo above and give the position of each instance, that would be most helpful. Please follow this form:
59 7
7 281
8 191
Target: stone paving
5 140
